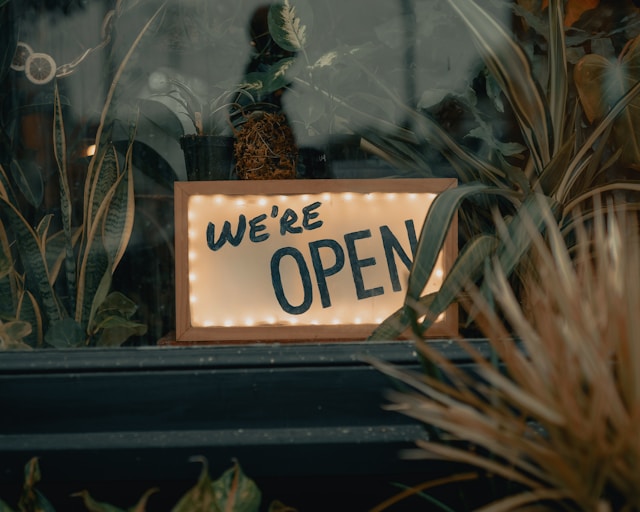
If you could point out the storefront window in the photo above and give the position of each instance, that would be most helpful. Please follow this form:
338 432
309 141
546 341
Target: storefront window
341 87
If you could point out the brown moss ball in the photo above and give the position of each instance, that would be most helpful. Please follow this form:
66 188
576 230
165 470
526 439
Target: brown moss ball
265 148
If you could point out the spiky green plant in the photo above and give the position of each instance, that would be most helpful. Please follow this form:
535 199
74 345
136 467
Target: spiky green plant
559 414
569 157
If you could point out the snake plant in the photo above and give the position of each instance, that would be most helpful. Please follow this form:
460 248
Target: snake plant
59 281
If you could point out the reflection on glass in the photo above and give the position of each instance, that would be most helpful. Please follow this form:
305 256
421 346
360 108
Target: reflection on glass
347 76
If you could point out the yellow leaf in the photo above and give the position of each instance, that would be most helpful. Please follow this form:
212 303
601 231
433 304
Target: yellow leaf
601 83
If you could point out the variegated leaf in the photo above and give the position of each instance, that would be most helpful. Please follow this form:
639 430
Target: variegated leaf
289 24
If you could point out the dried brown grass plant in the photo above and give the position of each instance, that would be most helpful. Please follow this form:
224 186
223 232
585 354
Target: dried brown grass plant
559 416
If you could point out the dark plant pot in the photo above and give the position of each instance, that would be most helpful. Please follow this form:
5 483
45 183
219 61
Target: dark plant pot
207 157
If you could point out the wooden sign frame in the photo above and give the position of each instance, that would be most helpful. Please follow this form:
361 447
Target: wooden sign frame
222 196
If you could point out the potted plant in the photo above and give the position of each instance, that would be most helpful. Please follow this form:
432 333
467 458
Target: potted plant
541 276
564 152
339 98
212 116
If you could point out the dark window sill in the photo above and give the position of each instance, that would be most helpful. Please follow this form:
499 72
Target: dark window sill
281 410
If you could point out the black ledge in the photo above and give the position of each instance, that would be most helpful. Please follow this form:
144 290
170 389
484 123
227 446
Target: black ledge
281 410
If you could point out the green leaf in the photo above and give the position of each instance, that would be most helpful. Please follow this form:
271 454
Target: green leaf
277 506
271 80
103 180
17 330
518 239
56 253
558 77
4 507
116 303
119 216
31 500
33 258
65 333
115 330
28 310
27 174
95 506
466 268
12 334
112 318
290 24
436 227
235 492
95 265
60 151
201 497
601 83
161 118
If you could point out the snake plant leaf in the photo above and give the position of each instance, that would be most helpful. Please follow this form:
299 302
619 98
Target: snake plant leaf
466 267
65 333
601 83
510 66
56 253
32 254
290 24
106 175
437 224
28 310
94 272
119 216
104 250
27 174
201 497
234 491
96 260
60 153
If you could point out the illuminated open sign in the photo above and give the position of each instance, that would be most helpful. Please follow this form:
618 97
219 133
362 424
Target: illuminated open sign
302 260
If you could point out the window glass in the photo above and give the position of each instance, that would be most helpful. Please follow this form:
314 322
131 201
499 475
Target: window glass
87 231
